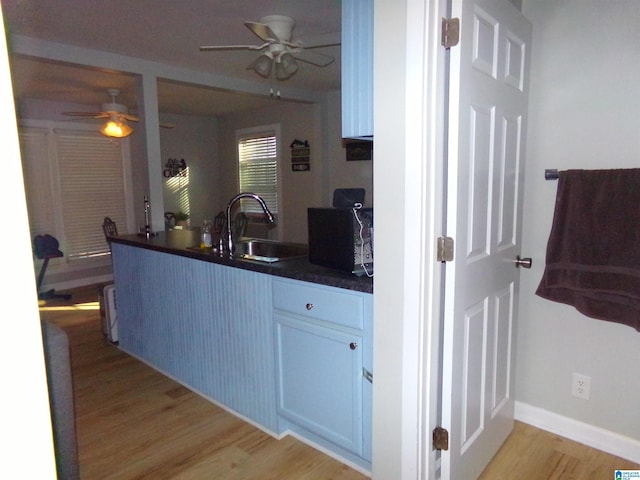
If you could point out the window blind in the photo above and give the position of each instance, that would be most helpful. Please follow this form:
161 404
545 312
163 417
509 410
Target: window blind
37 179
90 172
258 170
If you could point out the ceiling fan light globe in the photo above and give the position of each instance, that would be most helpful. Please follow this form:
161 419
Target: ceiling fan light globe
286 66
116 129
262 65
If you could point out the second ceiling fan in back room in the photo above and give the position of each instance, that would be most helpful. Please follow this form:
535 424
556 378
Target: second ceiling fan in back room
117 116
278 50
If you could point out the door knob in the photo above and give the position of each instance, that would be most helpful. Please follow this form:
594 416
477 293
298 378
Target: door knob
523 262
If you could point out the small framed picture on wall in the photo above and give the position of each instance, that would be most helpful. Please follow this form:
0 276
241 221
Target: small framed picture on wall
359 151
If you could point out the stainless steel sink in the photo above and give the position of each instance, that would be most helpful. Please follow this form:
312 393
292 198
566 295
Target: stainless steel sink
269 250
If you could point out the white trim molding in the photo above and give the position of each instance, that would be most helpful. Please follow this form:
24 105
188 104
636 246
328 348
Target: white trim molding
595 437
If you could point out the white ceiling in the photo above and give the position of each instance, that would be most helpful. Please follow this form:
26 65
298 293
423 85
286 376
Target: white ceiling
168 32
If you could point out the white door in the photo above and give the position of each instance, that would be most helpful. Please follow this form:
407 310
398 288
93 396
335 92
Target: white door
487 125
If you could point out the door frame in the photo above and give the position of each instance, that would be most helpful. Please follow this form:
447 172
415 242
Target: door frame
409 133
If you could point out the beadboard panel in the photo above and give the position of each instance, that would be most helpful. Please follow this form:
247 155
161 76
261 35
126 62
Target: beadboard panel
207 325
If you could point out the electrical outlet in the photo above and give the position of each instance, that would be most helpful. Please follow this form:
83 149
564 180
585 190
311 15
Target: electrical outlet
581 386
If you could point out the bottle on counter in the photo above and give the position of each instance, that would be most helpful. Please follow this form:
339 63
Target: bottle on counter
205 234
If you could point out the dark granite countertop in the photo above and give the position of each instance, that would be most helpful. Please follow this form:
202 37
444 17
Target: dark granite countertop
185 243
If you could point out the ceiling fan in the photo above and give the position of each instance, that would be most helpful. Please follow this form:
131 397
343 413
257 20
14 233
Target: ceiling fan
278 48
117 115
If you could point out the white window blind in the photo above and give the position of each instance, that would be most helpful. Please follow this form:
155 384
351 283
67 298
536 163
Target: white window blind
258 170
37 178
90 172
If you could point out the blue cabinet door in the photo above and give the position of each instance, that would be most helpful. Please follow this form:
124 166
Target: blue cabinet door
320 380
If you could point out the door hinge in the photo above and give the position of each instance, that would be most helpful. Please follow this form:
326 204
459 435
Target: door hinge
440 438
450 32
367 375
445 249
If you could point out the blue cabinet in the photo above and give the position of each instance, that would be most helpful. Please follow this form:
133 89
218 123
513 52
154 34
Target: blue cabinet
357 69
286 355
323 343
208 326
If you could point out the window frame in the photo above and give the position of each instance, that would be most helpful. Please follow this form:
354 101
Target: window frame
56 225
265 130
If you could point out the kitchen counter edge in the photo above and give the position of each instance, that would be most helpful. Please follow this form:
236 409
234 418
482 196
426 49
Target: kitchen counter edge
185 243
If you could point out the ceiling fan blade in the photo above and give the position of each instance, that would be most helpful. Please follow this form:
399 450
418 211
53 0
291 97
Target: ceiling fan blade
87 114
167 125
319 41
262 30
314 58
209 48
128 116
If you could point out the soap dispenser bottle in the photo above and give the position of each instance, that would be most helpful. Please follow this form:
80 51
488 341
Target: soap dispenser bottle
205 234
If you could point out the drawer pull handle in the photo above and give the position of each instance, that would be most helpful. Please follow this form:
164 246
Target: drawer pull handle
353 345
309 306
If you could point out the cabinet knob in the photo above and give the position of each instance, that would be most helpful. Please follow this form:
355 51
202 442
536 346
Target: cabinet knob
353 345
309 306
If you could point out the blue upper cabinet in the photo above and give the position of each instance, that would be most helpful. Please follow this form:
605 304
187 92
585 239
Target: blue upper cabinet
357 69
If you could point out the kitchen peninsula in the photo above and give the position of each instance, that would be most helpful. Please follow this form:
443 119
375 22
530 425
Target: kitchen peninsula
287 346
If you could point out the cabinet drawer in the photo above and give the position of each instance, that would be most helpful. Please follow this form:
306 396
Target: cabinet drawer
323 303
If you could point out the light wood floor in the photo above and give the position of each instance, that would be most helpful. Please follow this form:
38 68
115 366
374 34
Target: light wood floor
533 454
134 423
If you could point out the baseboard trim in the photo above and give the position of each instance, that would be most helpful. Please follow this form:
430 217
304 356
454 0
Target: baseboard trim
329 453
595 437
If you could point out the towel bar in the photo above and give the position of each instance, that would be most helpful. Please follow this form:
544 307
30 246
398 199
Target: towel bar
551 174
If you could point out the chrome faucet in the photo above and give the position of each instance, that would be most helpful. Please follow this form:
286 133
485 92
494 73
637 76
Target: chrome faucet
258 199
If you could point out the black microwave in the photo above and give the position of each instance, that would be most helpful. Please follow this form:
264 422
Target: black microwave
341 239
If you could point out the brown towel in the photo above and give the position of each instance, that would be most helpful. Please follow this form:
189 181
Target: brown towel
593 253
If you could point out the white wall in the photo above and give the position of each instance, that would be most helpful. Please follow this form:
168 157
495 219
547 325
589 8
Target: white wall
321 126
584 103
208 146
300 190
195 140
